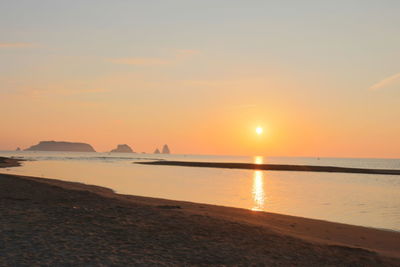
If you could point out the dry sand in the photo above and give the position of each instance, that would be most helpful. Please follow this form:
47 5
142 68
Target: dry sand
51 222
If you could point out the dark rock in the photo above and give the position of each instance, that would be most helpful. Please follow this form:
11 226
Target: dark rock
123 149
156 151
166 150
61 146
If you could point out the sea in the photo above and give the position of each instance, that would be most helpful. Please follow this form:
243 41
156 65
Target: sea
360 199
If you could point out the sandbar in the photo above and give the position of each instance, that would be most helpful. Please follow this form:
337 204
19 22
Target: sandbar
270 167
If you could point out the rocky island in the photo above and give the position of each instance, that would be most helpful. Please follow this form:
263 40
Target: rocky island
165 150
61 146
122 149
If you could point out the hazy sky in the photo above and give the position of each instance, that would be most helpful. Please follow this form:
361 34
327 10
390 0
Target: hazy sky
321 77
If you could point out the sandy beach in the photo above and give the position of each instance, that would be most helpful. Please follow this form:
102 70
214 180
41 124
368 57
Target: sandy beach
51 222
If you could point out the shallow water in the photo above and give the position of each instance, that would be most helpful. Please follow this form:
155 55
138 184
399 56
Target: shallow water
360 199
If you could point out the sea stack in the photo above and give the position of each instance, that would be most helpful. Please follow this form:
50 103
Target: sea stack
124 148
18 149
156 151
61 146
165 149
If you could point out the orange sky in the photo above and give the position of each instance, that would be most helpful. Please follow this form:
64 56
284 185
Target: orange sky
202 79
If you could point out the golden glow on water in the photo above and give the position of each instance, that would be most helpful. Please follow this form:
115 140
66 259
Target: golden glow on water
258 191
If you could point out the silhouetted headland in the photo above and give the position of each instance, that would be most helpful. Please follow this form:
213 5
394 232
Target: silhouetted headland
61 146
122 149
272 167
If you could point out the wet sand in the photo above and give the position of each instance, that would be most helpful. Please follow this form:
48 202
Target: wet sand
270 167
52 222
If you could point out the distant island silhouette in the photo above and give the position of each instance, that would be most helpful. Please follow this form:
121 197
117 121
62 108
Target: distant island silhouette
84 147
61 146
124 148
165 150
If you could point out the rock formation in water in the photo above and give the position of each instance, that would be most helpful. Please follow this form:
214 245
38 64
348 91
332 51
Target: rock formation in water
165 150
156 151
123 149
61 146
18 149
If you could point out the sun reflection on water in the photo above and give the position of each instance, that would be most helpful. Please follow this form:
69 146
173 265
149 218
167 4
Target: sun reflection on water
258 191
258 187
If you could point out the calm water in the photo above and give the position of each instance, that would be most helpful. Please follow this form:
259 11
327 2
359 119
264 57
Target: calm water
360 199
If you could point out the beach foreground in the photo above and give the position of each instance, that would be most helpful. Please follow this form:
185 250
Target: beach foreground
51 222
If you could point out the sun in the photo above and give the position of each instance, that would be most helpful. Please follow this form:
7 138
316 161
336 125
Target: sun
259 130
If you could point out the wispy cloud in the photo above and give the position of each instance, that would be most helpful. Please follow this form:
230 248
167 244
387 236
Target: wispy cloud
187 52
53 91
179 55
139 61
65 92
15 45
386 82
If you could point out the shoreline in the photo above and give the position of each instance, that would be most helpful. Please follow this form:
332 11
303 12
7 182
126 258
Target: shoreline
259 236
271 167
